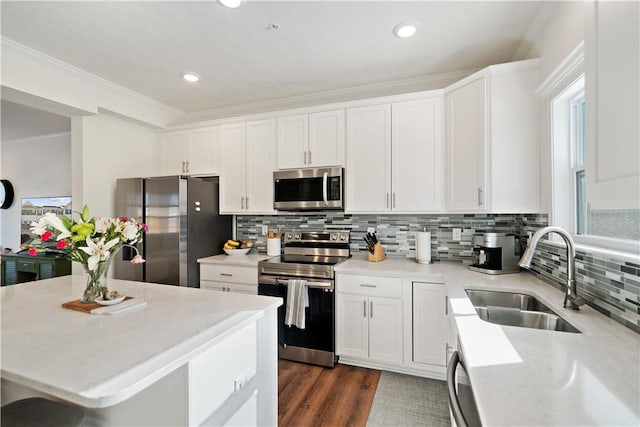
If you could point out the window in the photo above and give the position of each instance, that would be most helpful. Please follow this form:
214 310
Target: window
599 225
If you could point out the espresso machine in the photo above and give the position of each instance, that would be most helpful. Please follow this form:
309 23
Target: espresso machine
494 253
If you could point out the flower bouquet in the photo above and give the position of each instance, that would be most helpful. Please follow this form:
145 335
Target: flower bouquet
93 242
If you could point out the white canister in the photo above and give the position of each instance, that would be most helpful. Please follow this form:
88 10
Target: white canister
423 247
273 246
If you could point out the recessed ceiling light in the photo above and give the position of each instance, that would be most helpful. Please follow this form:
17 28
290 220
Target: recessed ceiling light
191 77
230 3
404 30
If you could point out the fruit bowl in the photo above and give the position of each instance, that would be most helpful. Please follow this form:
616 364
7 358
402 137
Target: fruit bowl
237 251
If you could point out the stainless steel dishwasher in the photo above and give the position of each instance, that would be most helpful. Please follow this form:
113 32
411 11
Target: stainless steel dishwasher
461 400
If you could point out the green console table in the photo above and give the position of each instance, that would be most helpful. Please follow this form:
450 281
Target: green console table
20 268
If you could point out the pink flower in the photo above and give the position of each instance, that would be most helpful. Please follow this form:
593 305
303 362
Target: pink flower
144 226
138 260
61 244
123 218
46 235
33 252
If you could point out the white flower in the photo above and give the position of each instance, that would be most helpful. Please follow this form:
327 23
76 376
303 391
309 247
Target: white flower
39 227
53 221
98 251
103 224
130 231
138 260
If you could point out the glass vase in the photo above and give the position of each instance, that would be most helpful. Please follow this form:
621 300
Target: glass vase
96 282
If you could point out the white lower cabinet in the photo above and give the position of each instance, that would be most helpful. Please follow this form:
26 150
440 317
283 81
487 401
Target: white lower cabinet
429 306
229 278
369 318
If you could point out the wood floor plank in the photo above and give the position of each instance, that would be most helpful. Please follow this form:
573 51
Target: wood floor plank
315 396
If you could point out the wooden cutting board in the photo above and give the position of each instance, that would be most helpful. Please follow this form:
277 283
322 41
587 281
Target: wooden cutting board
80 306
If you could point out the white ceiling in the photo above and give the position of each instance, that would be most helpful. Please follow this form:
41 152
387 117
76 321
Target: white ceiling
321 46
20 122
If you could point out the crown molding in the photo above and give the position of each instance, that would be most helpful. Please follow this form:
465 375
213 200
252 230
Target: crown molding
435 81
36 138
568 71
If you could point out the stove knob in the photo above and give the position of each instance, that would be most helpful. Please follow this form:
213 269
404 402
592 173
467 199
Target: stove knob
296 236
343 237
334 237
289 236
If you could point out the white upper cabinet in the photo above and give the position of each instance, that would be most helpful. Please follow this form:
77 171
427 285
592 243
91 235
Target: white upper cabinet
248 160
492 148
417 153
368 170
193 152
311 140
395 157
612 78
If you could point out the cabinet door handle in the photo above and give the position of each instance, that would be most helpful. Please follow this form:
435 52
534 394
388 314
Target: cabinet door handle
479 196
368 286
371 309
241 202
364 306
226 274
393 200
446 305
387 199
309 157
246 203
305 157
188 166
182 166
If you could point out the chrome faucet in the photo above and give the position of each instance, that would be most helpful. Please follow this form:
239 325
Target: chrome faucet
571 299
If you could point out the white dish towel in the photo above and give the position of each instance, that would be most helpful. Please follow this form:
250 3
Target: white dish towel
297 301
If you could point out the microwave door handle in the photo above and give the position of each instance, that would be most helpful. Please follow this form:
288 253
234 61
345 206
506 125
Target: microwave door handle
325 181
454 403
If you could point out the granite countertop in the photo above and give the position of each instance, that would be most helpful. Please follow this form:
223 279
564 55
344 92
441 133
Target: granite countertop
98 361
523 376
249 260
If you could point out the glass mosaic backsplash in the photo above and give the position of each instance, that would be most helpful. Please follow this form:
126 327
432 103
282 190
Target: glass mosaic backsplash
609 285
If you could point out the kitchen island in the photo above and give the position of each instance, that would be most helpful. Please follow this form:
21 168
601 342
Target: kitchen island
190 357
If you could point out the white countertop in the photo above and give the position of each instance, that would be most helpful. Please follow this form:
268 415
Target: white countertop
248 260
523 376
98 361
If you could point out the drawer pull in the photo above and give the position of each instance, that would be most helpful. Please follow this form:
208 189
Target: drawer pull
226 274
368 286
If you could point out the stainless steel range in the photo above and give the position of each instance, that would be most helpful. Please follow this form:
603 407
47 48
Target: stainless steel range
310 256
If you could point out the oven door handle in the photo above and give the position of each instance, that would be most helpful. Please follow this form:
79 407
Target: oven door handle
316 284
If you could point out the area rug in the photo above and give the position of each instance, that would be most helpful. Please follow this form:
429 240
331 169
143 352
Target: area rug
405 400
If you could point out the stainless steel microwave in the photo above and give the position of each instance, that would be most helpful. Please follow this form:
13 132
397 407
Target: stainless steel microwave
308 189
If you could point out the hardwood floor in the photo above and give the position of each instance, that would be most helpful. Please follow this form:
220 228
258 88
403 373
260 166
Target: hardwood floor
314 396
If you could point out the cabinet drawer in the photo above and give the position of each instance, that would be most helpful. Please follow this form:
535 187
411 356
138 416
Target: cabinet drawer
229 274
369 285
229 287
27 266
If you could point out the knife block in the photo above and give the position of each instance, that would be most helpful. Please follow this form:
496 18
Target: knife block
378 253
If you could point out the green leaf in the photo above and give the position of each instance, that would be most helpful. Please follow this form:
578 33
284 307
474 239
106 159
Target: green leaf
85 213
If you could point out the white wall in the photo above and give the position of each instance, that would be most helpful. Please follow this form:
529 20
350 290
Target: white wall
105 148
37 167
564 31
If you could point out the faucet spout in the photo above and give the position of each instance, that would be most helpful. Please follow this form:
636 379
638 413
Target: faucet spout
571 299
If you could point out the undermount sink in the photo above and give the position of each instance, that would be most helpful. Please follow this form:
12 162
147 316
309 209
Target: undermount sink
516 309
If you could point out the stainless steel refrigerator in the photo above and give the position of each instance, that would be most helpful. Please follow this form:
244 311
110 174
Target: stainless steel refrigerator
184 224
